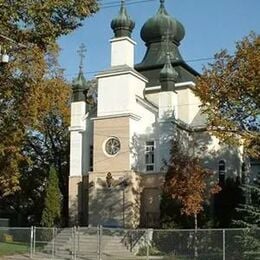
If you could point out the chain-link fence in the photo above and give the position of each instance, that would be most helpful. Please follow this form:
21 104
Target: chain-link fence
80 243
16 241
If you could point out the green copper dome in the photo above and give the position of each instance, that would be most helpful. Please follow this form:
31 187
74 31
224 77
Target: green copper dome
122 25
162 33
79 86
168 75
80 81
160 25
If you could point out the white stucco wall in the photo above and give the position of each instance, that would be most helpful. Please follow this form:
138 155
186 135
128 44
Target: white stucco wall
214 151
153 97
116 94
122 51
167 105
141 130
78 111
76 155
183 102
188 105
77 129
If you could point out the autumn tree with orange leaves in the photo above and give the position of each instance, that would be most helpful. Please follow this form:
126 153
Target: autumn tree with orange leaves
32 86
187 182
229 89
34 100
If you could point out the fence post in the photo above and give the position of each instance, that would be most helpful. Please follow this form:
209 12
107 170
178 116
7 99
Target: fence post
53 243
100 242
34 238
31 243
78 240
56 233
74 243
224 244
147 238
131 241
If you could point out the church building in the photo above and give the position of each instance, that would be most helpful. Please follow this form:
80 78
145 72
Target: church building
123 124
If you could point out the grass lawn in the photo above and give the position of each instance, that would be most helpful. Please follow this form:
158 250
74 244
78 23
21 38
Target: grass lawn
10 248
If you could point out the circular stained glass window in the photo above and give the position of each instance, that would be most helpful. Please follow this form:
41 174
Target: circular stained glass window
112 146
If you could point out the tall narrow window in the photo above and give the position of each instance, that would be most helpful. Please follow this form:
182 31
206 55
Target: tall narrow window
91 158
149 156
221 171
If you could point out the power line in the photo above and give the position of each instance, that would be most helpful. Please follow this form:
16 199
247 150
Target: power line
187 61
117 4
112 4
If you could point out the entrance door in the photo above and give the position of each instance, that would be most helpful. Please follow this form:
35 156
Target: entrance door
109 208
150 208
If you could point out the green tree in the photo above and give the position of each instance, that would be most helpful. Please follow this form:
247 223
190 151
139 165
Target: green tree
230 95
248 212
249 208
52 204
44 141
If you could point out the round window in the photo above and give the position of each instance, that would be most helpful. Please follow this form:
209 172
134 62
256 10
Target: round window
112 146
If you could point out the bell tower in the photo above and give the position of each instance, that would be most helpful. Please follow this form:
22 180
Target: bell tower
78 147
118 87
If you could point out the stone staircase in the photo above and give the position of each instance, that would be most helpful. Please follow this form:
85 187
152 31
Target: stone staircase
87 245
63 245
113 248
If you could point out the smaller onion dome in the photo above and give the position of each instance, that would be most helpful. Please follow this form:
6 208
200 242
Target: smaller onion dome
160 25
80 81
122 25
168 75
79 86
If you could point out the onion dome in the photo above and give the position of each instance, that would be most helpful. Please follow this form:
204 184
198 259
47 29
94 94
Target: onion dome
168 75
79 86
122 25
160 25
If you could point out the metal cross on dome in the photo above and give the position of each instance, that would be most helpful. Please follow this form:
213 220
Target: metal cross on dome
82 50
122 3
166 38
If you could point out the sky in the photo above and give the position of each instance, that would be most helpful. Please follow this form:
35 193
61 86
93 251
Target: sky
209 27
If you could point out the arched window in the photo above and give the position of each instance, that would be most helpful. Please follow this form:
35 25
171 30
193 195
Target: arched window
221 171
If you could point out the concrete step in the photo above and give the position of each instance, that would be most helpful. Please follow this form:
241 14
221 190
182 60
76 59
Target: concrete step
87 245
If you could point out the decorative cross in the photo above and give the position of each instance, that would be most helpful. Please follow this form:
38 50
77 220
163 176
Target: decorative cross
162 1
122 3
82 50
167 41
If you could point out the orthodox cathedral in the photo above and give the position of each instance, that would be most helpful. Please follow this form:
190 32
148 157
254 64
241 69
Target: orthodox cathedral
123 123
